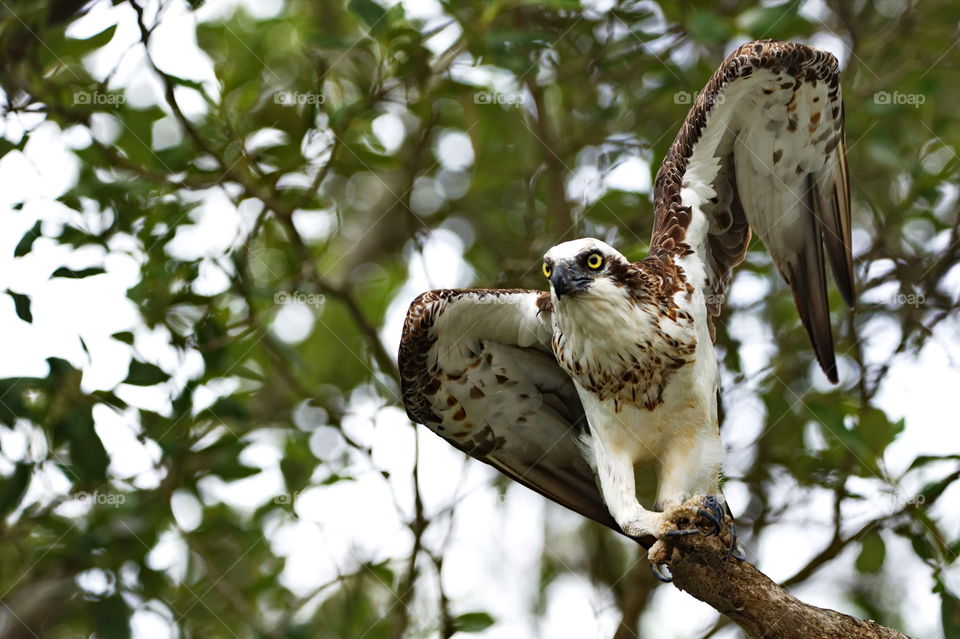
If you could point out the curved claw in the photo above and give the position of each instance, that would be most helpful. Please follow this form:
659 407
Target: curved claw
734 550
712 512
659 574
681 532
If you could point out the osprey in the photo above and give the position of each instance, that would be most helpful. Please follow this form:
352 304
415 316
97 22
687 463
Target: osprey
601 394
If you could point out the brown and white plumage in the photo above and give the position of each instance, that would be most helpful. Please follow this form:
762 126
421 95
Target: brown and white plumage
763 147
614 371
477 368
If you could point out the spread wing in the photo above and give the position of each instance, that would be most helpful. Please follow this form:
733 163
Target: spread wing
477 369
763 147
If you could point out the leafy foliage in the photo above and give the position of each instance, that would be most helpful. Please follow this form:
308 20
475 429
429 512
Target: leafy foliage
342 138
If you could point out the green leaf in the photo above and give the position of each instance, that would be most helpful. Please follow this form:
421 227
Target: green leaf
707 27
949 610
229 470
12 488
877 431
111 618
923 460
228 408
123 336
922 546
336 478
63 271
222 458
382 572
87 453
144 374
75 47
369 11
932 490
773 22
100 39
473 622
26 242
228 466
21 303
5 147
872 553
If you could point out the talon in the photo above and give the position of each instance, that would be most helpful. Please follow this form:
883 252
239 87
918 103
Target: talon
734 550
681 532
659 574
715 525
713 513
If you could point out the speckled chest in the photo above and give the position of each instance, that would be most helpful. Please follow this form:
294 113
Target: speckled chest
630 359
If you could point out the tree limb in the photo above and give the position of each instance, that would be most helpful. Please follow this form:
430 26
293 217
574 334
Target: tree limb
753 601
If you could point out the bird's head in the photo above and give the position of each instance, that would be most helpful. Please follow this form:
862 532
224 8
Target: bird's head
582 268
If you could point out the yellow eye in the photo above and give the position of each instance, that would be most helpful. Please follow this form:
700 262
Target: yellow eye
547 270
594 261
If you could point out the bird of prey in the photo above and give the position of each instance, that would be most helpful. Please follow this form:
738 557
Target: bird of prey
601 394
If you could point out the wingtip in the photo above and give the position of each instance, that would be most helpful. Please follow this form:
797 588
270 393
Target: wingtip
831 372
823 349
848 290
807 282
842 271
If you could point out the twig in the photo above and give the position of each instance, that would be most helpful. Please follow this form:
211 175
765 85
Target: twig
405 589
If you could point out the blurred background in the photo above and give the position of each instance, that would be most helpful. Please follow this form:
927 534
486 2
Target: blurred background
214 216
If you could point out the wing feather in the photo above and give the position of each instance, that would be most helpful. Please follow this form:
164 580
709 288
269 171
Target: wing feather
763 148
477 369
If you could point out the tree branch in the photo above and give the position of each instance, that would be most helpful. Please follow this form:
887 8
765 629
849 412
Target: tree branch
753 601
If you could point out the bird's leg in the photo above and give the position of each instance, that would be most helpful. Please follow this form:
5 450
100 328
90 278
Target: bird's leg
689 467
688 491
618 485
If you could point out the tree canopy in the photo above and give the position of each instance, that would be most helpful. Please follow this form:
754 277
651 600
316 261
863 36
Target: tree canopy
216 213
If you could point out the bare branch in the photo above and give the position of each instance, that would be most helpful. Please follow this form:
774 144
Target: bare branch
753 601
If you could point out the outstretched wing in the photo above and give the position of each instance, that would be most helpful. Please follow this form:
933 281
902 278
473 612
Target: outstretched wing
763 147
477 369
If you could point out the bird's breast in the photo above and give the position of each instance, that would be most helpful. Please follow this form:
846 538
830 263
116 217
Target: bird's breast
629 360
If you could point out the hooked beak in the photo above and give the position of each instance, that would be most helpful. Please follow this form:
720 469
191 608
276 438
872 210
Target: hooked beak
567 282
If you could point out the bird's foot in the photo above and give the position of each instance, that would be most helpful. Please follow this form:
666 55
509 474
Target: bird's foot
706 515
699 515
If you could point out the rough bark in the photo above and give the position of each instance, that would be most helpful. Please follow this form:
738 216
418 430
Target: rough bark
753 601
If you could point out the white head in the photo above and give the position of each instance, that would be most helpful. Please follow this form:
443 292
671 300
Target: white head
579 267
